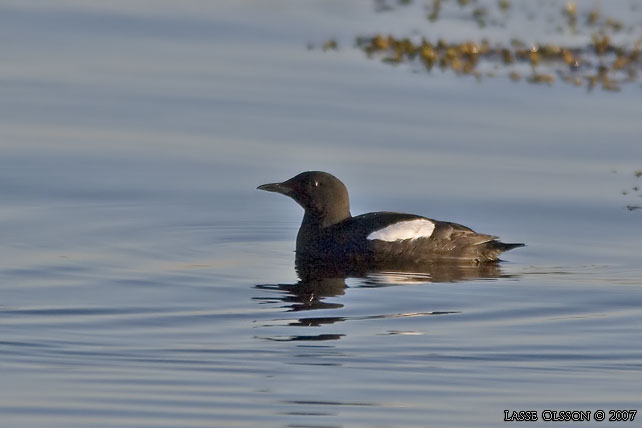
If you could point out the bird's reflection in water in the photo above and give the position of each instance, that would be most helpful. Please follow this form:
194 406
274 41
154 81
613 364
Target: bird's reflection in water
308 293
318 281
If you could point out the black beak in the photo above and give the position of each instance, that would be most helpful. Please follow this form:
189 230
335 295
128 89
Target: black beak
281 188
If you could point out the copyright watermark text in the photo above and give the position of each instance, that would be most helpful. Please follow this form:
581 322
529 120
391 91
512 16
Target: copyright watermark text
569 415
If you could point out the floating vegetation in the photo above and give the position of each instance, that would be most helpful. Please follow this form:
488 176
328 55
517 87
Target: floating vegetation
571 15
434 13
600 62
634 191
330 44
569 64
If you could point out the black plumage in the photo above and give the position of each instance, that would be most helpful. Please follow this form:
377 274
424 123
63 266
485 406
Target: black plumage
329 234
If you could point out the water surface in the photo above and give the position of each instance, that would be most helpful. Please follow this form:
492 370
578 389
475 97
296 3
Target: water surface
145 282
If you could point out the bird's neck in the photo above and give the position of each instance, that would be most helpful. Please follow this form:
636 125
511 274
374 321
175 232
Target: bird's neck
312 237
320 220
312 231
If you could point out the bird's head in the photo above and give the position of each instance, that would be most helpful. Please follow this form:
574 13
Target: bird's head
323 196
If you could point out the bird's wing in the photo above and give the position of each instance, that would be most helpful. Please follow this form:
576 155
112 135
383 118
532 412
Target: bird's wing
457 233
364 225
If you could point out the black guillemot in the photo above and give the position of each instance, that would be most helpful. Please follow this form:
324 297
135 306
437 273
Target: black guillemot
330 234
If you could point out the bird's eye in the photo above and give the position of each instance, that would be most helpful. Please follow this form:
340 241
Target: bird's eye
315 184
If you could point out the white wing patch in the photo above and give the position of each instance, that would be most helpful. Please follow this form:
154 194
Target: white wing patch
410 229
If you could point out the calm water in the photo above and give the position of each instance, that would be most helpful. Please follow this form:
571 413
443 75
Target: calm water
144 282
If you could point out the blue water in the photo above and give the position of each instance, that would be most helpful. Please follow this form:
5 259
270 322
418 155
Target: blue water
144 282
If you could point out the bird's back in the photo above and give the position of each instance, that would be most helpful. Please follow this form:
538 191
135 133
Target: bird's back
388 238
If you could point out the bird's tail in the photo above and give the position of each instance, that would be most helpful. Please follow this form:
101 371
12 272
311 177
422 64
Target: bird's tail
491 250
502 246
